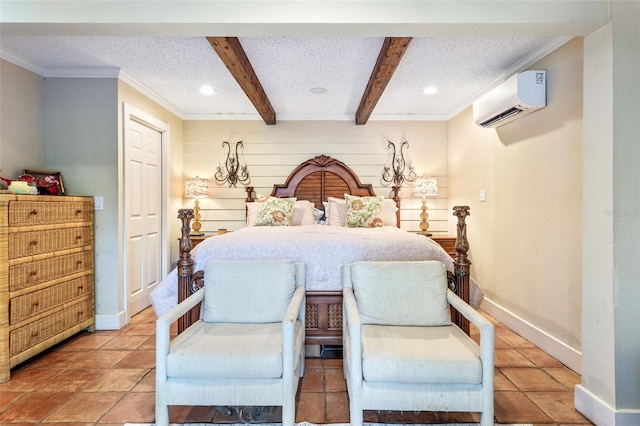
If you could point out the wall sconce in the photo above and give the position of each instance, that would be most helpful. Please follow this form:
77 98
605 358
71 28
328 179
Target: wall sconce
196 188
394 172
233 171
425 186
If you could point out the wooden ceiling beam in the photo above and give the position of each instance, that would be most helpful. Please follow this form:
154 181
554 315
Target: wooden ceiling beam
234 57
390 55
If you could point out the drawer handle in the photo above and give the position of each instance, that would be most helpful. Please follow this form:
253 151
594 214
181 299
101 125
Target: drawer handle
33 273
35 333
78 237
34 242
78 211
36 303
79 262
80 287
33 212
80 313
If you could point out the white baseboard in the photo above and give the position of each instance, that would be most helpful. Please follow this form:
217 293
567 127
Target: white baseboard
601 413
557 349
111 321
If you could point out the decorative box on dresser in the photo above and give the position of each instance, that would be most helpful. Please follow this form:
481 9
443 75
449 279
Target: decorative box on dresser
46 273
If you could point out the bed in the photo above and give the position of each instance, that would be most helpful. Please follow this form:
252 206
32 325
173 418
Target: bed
323 181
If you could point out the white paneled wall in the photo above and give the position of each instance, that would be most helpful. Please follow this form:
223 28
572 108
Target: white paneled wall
272 152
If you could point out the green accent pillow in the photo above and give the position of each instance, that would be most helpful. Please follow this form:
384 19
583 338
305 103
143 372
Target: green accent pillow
275 212
364 212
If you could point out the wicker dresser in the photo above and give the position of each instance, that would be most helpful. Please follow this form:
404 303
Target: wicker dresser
46 273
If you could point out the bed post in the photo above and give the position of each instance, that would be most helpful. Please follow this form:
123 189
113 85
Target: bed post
396 197
249 191
462 264
185 265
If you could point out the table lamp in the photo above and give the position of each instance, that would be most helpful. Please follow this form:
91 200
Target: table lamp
196 188
425 186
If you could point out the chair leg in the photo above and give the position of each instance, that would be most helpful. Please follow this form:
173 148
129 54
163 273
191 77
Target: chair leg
289 412
486 419
355 415
162 414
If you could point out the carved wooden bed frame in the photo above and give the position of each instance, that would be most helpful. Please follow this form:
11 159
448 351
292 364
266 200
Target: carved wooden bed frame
315 180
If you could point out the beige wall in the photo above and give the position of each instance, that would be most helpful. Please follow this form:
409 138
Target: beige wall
611 236
526 238
272 152
21 120
82 142
173 152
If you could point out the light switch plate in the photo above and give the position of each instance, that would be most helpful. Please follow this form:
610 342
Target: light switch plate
98 203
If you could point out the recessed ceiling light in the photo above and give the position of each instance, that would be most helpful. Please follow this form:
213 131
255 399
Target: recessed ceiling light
430 90
318 90
207 90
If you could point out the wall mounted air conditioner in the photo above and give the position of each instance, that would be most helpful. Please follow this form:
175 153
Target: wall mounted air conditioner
517 96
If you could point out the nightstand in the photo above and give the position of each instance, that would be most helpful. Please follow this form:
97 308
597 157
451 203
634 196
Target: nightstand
197 239
447 242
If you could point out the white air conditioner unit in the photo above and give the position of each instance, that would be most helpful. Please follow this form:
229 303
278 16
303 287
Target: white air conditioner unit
519 95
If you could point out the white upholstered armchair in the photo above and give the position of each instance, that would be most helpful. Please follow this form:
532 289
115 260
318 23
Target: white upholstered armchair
246 349
401 351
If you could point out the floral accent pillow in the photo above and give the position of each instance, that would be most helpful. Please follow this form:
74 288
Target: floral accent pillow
364 212
275 212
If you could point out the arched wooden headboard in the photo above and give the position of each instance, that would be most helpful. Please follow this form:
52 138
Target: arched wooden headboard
319 178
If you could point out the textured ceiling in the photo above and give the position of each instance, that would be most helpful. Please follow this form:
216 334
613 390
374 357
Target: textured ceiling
173 68
461 47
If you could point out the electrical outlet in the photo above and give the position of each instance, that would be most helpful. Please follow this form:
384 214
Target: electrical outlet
483 195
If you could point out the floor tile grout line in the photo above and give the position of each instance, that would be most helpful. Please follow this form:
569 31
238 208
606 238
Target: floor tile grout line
325 365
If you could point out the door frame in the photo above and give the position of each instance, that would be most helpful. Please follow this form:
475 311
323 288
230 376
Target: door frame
131 113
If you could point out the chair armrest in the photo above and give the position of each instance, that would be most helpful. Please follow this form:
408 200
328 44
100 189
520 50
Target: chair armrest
163 323
352 315
487 332
295 311
352 335
467 311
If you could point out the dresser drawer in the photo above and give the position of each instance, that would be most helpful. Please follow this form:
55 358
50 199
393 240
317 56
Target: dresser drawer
28 213
23 244
32 304
36 332
25 275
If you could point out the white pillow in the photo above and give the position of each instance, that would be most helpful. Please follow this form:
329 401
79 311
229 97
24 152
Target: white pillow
252 211
303 212
336 211
337 215
389 210
319 214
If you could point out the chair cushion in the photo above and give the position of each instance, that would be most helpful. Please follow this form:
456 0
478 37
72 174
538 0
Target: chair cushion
419 355
248 291
227 350
401 293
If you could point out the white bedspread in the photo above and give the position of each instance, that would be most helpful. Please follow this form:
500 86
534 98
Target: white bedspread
324 249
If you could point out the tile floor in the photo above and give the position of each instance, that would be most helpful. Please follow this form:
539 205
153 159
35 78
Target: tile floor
107 378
